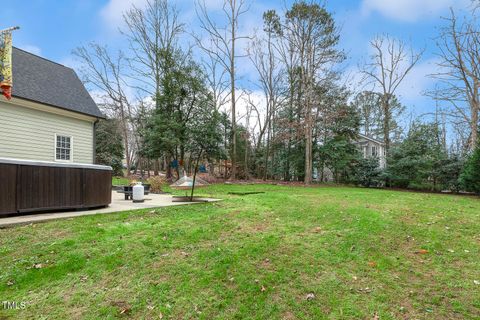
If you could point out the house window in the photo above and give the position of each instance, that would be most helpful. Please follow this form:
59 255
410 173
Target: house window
374 151
63 149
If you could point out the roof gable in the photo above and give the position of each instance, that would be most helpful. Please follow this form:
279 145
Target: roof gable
44 81
370 139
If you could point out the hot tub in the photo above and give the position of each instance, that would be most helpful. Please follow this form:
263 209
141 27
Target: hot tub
30 186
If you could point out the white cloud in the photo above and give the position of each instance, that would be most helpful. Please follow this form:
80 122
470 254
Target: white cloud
418 80
31 48
255 97
212 4
410 10
112 12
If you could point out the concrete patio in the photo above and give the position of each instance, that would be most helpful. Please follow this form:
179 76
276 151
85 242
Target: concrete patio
118 204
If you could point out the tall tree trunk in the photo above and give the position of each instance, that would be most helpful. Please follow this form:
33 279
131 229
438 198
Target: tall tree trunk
247 171
474 140
127 153
234 116
156 166
386 122
169 173
267 151
308 148
247 175
475 109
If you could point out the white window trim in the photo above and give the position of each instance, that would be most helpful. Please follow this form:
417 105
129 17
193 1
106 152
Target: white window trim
55 148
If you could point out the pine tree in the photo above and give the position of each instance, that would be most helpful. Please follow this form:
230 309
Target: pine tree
470 177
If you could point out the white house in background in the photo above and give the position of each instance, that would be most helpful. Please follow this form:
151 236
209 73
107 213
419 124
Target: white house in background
372 148
51 116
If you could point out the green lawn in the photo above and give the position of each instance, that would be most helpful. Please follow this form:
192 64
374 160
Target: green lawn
357 253
120 181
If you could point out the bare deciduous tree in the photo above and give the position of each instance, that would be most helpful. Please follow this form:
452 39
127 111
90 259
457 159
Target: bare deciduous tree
263 55
215 76
153 34
105 73
221 44
459 75
389 64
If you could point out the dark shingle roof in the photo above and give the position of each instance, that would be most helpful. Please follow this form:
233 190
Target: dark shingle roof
371 138
47 82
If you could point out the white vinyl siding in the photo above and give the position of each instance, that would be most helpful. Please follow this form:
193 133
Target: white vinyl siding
26 133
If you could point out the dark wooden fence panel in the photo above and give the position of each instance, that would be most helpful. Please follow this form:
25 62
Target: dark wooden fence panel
37 187
102 190
42 188
8 183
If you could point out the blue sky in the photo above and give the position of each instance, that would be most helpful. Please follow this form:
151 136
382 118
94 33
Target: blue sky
52 28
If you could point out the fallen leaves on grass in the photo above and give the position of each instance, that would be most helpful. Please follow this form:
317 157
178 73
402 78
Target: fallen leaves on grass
310 296
263 289
376 316
421 251
10 283
125 310
365 290
477 282
372 264
123 307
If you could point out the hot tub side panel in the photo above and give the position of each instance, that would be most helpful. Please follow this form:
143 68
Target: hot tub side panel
8 188
30 188
98 188
47 188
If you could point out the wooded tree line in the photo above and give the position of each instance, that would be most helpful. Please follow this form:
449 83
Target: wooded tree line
175 99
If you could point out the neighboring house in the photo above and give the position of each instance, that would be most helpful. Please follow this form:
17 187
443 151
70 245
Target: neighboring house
369 147
51 116
373 148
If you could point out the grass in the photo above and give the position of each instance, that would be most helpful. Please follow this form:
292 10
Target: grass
357 253
120 181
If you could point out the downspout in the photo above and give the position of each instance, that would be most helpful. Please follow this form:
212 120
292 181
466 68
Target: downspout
94 141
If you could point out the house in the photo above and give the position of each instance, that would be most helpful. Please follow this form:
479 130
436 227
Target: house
371 147
47 141
368 146
51 116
